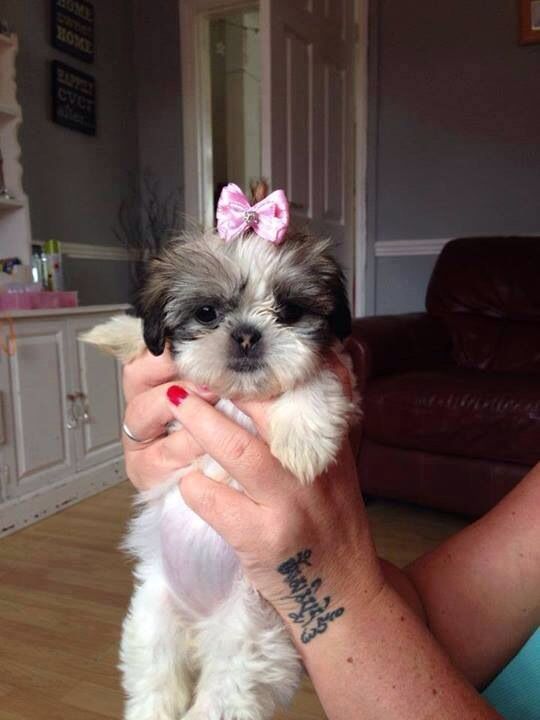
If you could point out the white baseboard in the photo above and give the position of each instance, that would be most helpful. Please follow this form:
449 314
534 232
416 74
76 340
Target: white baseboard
84 251
402 248
21 512
80 251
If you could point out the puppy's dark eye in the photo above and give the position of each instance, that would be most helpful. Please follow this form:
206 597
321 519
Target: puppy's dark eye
206 315
290 312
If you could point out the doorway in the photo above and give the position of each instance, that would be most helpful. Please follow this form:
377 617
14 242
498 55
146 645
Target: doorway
279 90
235 79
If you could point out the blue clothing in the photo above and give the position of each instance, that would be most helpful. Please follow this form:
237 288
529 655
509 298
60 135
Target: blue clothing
515 692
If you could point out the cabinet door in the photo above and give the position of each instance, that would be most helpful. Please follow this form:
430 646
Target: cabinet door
40 447
100 409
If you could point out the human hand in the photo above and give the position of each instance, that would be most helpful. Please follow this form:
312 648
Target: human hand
146 380
276 519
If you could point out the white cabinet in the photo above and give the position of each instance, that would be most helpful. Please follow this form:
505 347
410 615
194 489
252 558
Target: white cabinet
61 416
41 449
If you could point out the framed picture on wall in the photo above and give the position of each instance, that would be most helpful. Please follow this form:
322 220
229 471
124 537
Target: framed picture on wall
529 21
73 98
72 28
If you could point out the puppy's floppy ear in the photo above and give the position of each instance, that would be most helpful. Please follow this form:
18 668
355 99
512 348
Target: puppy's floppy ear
340 320
154 329
151 307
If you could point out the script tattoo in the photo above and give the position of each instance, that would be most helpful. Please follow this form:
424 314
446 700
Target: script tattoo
313 614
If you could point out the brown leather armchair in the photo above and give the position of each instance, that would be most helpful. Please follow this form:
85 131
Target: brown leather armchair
451 397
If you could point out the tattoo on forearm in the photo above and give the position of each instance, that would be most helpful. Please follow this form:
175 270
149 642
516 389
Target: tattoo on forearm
313 614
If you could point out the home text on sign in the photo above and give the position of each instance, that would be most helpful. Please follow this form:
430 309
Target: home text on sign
82 10
73 28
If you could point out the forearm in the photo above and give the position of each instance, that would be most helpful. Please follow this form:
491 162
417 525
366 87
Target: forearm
404 587
452 587
481 588
379 661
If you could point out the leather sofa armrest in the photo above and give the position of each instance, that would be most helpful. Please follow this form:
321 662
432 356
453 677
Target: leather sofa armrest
386 344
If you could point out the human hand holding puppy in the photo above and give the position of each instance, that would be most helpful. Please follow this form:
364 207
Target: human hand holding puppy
276 516
147 413
321 533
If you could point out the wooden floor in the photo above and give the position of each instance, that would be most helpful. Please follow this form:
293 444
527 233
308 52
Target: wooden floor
64 587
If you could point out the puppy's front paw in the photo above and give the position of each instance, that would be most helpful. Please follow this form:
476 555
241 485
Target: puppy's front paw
307 426
222 712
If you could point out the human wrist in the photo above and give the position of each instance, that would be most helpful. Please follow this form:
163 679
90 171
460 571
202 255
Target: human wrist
317 593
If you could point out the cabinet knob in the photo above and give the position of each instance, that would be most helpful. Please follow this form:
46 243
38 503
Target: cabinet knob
72 420
83 407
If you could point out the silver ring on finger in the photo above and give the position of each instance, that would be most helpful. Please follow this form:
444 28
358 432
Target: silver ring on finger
135 439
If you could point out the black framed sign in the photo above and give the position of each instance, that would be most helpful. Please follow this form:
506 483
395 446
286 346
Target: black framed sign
73 98
72 25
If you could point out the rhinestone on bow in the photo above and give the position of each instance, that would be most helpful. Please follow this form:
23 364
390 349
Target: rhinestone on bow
250 217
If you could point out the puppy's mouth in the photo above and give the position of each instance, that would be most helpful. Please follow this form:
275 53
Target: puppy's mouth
245 365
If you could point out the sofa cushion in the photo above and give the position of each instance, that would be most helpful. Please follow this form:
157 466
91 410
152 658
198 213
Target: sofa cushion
495 344
486 291
497 277
460 412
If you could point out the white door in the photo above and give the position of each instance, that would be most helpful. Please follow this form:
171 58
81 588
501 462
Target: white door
39 449
99 401
308 114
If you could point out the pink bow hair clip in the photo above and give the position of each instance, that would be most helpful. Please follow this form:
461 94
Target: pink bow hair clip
269 218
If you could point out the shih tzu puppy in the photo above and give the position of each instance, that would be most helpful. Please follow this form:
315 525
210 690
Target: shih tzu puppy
249 311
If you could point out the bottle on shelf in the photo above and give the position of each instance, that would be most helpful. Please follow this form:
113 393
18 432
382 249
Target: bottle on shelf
37 265
53 279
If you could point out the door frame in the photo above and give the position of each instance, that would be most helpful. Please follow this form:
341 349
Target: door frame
197 123
361 15
195 16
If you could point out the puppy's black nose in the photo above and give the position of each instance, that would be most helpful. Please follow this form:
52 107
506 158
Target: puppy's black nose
246 338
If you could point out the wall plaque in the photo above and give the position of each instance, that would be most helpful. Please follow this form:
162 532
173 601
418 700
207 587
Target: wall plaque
73 98
73 28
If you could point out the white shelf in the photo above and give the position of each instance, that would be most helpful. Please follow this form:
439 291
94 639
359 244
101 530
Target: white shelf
8 204
9 112
15 230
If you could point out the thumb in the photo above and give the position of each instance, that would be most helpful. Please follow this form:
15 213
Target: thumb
230 512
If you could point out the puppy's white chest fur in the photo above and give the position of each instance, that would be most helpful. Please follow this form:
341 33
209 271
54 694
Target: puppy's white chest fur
199 565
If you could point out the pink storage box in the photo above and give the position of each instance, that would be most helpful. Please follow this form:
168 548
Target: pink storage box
54 299
41 300
16 301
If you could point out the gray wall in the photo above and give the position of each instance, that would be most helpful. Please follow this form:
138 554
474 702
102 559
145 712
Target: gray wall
75 183
159 108
454 133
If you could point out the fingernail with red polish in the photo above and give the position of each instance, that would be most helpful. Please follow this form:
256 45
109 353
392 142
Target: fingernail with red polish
177 394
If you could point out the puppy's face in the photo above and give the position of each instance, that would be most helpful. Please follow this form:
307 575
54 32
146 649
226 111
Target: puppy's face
247 318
